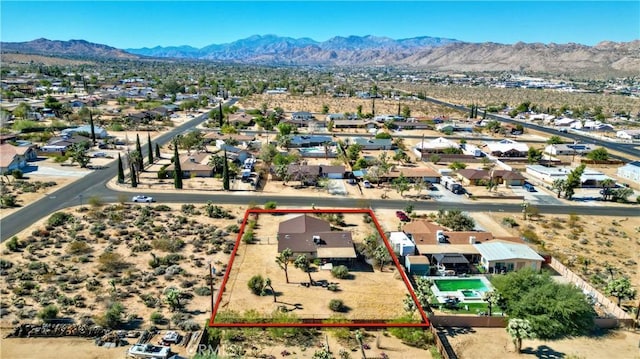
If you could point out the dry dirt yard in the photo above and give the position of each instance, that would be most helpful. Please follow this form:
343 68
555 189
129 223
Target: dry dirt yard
369 294
489 343
314 104
106 254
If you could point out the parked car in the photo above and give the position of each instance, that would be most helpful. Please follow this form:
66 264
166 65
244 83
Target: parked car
100 154
367 184
402 216
529 187
144 199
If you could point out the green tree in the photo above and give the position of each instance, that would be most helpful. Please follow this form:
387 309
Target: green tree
406 111
303 263
621 194
225 173
138 159
22 110
283 260
519 329
120 170
455 220
620 288
381 255
177 168
78 153
149 149
554 310
353 152
401 184
600 154
554 140
325 109
559 185
534 155
455 165
157 150
573 181
134 179
606 191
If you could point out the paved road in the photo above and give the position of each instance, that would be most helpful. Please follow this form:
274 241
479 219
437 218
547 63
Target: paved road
632 153
94 185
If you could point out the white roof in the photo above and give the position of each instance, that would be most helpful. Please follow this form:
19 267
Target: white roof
506 145
438 143
401 238
497 250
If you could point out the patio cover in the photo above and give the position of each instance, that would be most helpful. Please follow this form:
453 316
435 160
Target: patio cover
450 258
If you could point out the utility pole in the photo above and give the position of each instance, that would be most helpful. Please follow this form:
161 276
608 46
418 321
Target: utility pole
211 284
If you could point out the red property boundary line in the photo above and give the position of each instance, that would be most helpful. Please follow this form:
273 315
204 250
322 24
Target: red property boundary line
315 322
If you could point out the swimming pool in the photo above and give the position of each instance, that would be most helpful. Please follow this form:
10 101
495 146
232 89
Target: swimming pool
450 285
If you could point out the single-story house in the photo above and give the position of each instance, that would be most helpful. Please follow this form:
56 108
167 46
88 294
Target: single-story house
413 174
236 154
62 144
355 124
589 179
241 119
373 143
417 264
310 140
192 165
15 157
500 256
335 117
401 243
310 173
438 145
220 139
99 131
479 177
454 127
313 237
591 125
507 148
565 122
628 134
302 116
569 149
630 171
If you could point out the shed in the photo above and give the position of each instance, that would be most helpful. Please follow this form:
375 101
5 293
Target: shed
417 265
402 244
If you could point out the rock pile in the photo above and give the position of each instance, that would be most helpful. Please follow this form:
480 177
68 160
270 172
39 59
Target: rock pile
58 330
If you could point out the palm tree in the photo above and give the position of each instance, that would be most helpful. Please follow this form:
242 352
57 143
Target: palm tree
303 263
283 259
519 329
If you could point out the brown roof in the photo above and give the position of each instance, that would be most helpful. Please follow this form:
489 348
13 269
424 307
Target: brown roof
193 162
412 172
418 259
307 234
235 136
241 118
7 154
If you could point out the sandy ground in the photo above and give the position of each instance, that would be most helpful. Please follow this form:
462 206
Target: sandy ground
489 343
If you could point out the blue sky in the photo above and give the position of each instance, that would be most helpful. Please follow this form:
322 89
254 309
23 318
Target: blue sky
129 24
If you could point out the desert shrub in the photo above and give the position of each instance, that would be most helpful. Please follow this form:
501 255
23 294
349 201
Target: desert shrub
415 337
247 237
95 201
233 228
149 300
270 205
188 209
167 244
5 264
112 318
157 318
162 208
336 305
111 262
78 247
13 244
189 325
332 287
509 222
256 284
59 218
17 174
48 313
530 236
340 272
203 291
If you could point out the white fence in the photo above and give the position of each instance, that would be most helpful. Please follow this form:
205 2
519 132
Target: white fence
607 305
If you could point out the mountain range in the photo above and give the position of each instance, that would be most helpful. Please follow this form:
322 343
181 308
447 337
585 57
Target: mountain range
610 58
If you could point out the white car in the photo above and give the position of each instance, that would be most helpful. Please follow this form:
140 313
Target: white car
142 199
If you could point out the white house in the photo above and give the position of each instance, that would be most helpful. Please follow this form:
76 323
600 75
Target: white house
501 256
628 134
507 148
590 178
542 117
99 131
591 125
437 145
569 149
302 116
564 122
401 243
630 171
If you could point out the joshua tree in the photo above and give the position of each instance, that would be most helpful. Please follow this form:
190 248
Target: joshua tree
267 284
283 259
519 329
172 297
492 298
359 338
303 263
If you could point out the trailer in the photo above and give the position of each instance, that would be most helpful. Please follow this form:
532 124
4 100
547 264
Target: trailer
452 185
